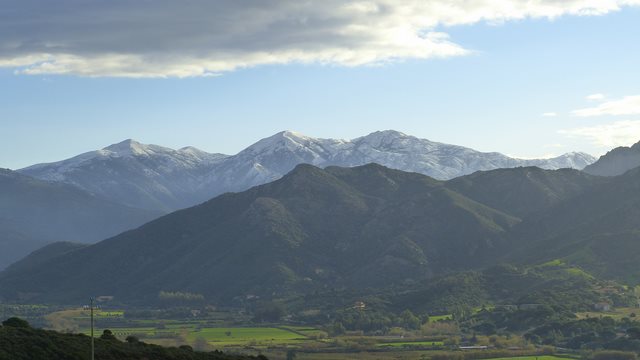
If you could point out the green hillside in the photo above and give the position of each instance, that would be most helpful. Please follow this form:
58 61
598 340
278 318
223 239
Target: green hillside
598 230
359 227
367 229
524 191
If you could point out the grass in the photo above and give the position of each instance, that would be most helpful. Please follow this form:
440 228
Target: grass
109 314
437 318
217 337
246 336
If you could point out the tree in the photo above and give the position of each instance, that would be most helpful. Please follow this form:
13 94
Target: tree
16 323
337 328
409 321
132 339
108 335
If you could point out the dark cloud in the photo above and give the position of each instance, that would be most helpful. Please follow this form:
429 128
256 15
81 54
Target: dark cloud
198 37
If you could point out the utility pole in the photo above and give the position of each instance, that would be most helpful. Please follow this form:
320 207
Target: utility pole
93 354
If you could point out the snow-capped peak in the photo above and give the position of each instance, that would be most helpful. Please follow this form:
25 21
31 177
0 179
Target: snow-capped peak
283 139
131 147
178 178
386 134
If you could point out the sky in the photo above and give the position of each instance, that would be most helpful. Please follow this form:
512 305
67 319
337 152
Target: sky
526 78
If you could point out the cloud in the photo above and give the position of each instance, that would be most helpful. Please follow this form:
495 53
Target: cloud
550 114
619 133
628 105
169 38
595 97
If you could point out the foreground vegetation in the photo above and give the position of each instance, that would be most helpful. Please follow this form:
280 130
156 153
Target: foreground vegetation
20 341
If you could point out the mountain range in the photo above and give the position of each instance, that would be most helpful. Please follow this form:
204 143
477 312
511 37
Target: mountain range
309 225
367 227
126 184
162 179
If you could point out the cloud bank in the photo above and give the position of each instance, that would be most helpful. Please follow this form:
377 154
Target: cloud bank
619 133
628 105
171 38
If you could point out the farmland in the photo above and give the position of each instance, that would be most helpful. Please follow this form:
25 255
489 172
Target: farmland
234 331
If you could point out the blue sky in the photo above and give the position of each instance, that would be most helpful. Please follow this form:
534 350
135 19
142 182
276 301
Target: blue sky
491 97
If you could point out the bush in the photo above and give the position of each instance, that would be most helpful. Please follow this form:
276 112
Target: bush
108 335
16 323
132 339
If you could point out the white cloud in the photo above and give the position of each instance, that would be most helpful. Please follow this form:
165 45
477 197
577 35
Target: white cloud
550 114
159 38
595 97
619 133
628 105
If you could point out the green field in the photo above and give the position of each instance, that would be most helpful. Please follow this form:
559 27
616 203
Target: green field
109 314
218 336
246 336
437 318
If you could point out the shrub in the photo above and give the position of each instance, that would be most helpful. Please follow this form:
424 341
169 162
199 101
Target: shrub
16 323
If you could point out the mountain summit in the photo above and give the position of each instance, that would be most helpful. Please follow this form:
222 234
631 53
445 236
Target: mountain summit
135 174
616 162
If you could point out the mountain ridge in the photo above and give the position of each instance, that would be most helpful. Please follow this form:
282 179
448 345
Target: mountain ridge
616 162
293 234
159 178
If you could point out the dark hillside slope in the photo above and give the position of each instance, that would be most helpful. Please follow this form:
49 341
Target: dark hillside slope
616 162
525 190
39 212
14 244
43 255
598 230
364 226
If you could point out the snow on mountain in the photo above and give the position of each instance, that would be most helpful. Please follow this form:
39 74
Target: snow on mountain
151 176
274 156
135 174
